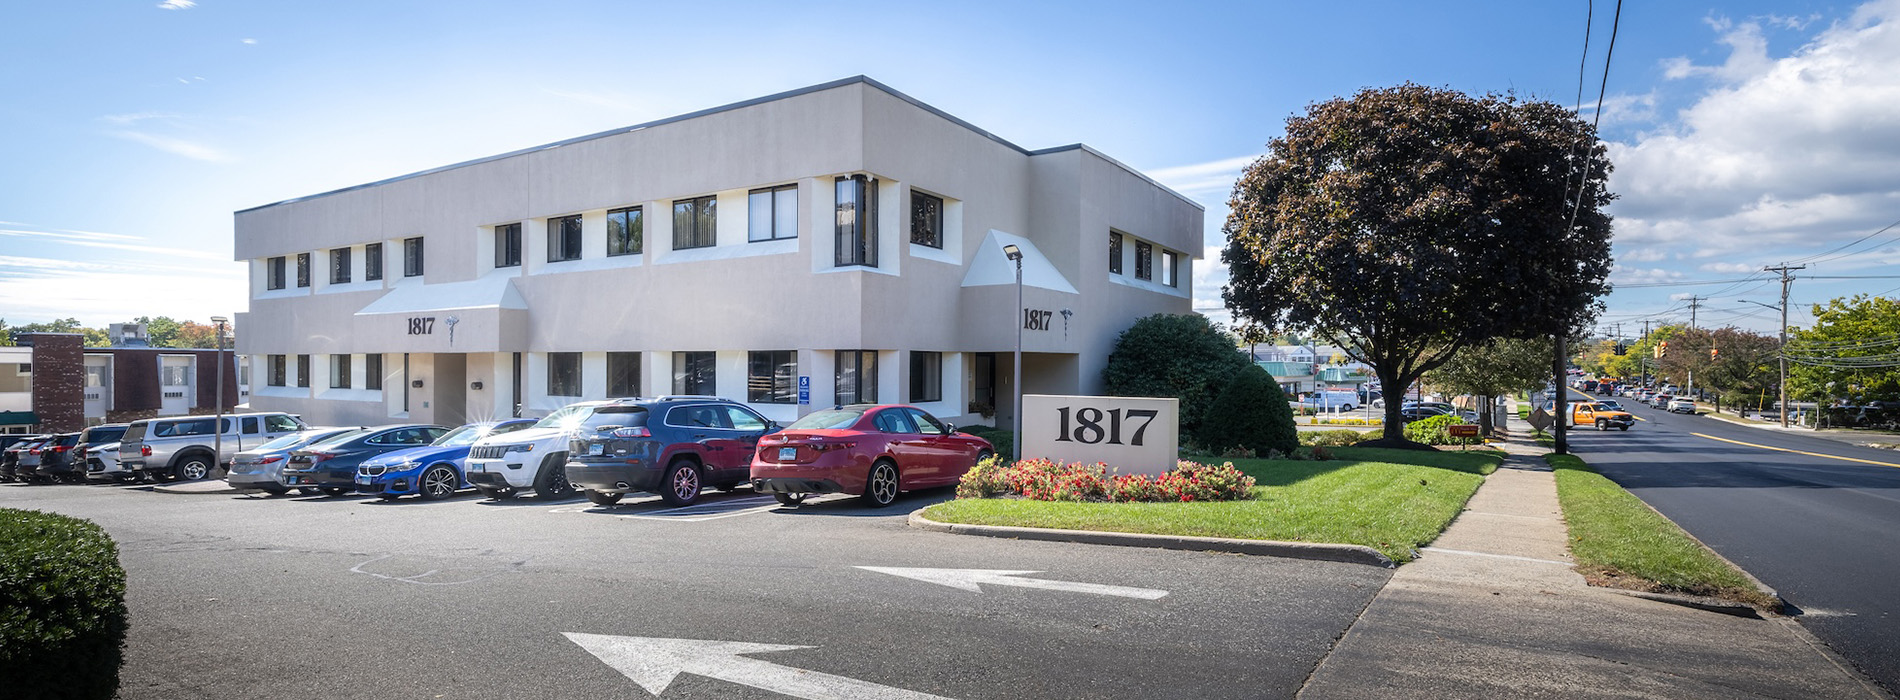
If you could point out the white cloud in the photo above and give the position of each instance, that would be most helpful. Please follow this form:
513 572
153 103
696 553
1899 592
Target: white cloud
177 5
247 40
1728 267
1203 179
176 146
109 241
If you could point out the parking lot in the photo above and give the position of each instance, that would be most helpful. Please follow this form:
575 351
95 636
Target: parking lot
732 597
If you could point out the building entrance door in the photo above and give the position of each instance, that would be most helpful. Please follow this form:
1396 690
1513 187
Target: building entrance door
451 389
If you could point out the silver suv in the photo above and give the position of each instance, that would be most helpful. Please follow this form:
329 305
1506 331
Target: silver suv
182 447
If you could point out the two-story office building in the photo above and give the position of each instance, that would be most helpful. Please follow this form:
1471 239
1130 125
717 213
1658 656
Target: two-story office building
835 244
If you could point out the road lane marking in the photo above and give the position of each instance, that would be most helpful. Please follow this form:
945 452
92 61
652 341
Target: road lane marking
1441 550
1799 452
653 663
967 580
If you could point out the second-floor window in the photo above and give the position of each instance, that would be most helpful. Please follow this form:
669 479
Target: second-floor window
1114 253
564 238
508 245
412 257
856 222
339 266
303 269
372 262
1170 268
1144 260
695 222
772 213
625 231
274 273
926 219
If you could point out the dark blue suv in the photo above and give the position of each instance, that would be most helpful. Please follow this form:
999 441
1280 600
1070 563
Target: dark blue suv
672 445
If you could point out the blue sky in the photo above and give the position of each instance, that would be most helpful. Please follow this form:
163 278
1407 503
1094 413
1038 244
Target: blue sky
1744 133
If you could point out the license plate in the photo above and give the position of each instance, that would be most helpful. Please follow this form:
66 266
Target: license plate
364 480
787 454
474 466
596 448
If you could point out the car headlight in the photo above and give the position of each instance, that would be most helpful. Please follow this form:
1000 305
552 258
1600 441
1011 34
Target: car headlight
529 447
405 465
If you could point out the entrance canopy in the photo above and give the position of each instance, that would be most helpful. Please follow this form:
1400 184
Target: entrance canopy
992 267
495 292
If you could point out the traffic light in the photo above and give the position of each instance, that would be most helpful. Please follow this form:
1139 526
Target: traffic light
1621 349
1712 354
1662 349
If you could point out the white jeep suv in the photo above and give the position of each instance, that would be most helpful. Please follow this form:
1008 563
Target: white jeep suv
530 458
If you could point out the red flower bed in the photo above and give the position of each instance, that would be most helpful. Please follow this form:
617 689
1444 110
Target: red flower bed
1047 480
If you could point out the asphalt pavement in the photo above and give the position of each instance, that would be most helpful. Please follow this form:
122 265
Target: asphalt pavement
1815 519
318 597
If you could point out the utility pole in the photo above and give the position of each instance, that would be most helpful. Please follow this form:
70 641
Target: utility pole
1644 361
1695 302
1561 405
1782 349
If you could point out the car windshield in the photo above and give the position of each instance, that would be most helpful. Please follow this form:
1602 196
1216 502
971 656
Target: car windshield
340 438
832 419
566 418
465 435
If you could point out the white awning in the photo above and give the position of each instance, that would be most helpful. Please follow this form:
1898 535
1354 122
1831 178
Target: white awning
992 267
493 292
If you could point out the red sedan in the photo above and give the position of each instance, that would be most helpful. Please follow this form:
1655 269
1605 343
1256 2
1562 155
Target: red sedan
869 451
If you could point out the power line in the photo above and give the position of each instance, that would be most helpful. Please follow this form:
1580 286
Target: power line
1857 241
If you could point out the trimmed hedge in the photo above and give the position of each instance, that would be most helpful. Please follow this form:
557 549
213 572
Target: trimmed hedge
62 607
1251 413
1000 439
1433 430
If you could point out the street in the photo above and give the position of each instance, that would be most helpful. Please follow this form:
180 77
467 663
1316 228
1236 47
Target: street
317 597
1812 523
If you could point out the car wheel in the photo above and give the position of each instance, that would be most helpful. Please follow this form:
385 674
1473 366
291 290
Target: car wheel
982 455
1602 426
880 486
680 485
604 499
437 483
789 499
552 483
333 490
497 493
194 468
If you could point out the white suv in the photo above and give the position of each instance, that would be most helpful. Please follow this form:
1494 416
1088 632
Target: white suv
530 458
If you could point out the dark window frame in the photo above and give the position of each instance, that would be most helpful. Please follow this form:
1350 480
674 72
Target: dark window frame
1114 252
926 213
560 363
702 213
274 273
508 245
695 372
1170 268
564 238
303 270
772 233
1144 260
339 379
855 241
622 381
372 262
857 393
303 371
770 386
926 376
373 371
632 222
412 256
276 370
339 266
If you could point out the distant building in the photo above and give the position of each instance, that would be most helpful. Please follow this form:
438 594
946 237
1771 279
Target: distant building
1305 368
51 383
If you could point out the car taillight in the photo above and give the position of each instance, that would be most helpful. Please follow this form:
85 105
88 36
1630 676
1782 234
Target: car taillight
320 456
145 450
61 448
268 460
636 431
33 451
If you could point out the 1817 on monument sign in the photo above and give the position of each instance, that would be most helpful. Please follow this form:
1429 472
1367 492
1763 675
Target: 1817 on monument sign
1131 435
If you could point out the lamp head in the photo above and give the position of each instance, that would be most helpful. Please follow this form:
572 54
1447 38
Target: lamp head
1013 252
220 319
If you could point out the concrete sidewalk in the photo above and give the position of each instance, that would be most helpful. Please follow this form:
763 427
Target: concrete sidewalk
1493 609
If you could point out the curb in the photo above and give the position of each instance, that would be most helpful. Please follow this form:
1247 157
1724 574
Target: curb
1715 605
198 488
1347 553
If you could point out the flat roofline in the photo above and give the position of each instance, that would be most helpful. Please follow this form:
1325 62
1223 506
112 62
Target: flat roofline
727 108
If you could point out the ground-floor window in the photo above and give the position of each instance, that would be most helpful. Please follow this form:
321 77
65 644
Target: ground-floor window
303 371
564 374
339 371
373 372
857 376
926 376
623 374
274 370
694 373
772 376
983 382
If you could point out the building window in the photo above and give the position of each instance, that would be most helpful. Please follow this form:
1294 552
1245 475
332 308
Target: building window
772 214
1169 264
857 376
1114 253
244 374
926 219
624 231
175 375
95 376
857 221
412 257
339 371
926 376
274 367
508 245
693 373
373 372
564 238
303 371
303 269
772 377
623 374
564 374
339 266
1144 260
694 222
274 273
372 262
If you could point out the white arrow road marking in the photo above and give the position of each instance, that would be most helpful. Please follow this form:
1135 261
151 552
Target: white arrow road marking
967 579
653 663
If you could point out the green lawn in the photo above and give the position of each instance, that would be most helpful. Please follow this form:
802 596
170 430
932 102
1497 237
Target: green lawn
1620 542
1394 501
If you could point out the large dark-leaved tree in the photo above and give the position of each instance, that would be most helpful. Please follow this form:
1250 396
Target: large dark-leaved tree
1406 223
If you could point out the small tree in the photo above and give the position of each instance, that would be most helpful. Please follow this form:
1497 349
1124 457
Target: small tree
1495 368
1182 356
1251 413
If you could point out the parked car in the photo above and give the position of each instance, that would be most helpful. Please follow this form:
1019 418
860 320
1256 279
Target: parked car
1413 413
1661 400
99 453
329 465
262 467
531 458
870 451
1331 400
434 472
1600 415
50 461
1682 406
189 448
10 458
670 446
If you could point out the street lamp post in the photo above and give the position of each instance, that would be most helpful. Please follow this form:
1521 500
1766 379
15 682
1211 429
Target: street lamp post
217 437
1016 381
1781 350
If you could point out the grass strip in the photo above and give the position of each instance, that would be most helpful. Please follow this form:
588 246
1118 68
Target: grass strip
1394 501
1620 542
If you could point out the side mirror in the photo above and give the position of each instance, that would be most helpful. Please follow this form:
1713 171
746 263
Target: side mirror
952 427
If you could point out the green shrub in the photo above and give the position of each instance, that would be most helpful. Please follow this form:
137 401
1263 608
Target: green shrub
1331 438
1251 414
1432 431
1003 440
1182 356
62 607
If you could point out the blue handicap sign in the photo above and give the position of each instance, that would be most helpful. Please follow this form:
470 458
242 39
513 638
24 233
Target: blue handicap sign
804 391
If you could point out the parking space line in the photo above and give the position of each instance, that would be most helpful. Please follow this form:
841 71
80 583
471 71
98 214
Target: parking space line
1799 452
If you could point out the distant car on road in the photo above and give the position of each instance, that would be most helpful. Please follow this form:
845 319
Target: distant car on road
1413 413
1331 401
1682 406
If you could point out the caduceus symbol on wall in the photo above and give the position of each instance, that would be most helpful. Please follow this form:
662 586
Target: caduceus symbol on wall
451 321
